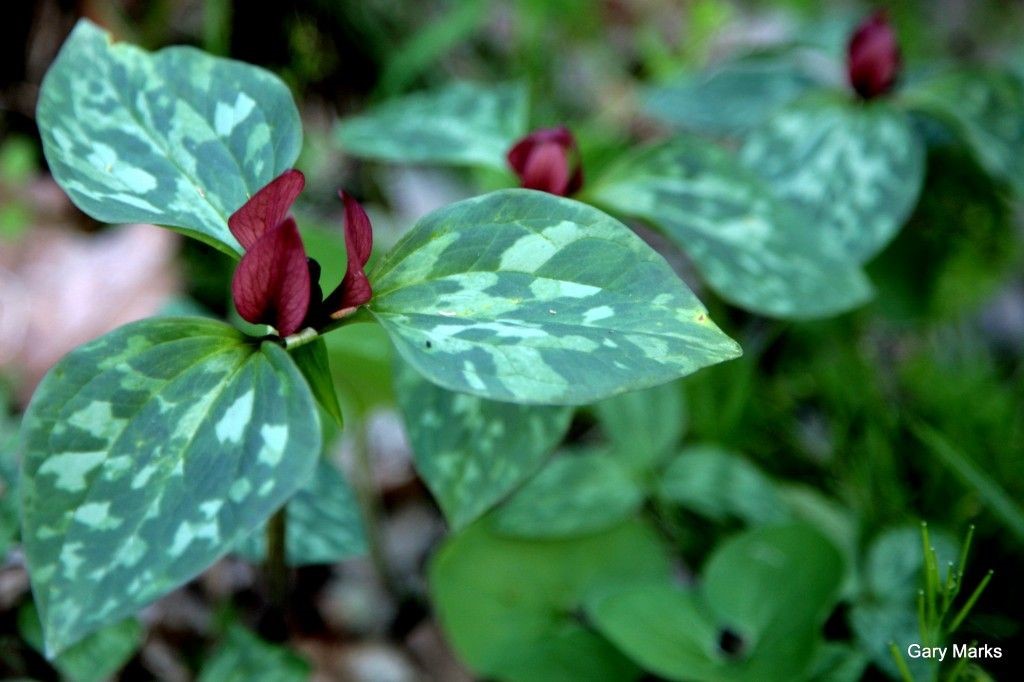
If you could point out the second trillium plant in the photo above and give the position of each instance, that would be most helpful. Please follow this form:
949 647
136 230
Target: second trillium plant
153 451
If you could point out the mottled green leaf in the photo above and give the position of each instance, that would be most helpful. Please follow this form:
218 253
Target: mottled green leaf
95 658
244 657
985 108
753 248
323 526
472 452
732 97
508 606
573 494
719 484
312 360
772 588
462 124
855 169
644 425
9 513
176 137
526 297
149 453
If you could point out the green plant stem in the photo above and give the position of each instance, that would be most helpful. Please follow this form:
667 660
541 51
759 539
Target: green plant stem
367 499
277 565
969 604
901 665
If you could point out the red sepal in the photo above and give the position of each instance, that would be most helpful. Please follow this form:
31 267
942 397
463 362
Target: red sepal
354 289
272 285
267 208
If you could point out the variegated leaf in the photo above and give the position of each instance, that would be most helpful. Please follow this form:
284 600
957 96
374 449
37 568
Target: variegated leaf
752 247
574 494
94 659
986 109
244 657
149 453
732 97
855 169
176 138
462 124
525 297
323 522
472 452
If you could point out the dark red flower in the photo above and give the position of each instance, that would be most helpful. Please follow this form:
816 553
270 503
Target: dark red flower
354 289
873 57
276 284
548 160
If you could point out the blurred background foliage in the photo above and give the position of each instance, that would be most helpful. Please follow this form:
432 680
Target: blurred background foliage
909 408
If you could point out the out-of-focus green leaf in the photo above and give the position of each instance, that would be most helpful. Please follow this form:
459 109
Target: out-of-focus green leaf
323 523
472 452
573 494
148 454
175 138
462 124
855 170
525 297
753 248
644 425
719 484
244 657
732 97
93 659
770 588
985 108
9 507
508 606
361 364
839 663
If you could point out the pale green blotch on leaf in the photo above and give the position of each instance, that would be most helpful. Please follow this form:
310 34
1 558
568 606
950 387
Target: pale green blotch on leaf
525 297
753 248
149 453
473 452
854 169
176 137
461 124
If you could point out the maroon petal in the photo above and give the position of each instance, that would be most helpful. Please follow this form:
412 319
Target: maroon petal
271 285
354 289
873 57
267 208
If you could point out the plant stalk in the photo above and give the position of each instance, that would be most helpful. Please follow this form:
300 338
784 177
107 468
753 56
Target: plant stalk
277 565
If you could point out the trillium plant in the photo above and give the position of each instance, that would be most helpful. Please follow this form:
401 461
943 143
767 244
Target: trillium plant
153 451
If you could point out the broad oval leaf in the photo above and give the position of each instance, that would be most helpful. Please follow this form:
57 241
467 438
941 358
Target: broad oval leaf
472 452
985 108
462 124
176 137
855 169
719 484
771 587
643 426
323 522
525 297
509 606
574 494
753 248
732 97
149 453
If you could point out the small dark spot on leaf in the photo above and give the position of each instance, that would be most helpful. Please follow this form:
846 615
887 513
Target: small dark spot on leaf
429 345
730 643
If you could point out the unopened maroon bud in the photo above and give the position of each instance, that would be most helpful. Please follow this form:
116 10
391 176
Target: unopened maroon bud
873 57
354 289
548 160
